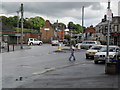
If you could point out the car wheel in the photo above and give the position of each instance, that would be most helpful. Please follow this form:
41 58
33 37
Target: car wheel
96 62
31 43
87 57
40 44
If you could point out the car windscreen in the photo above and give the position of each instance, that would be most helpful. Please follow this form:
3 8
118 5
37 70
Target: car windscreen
96 47
90 42
111 49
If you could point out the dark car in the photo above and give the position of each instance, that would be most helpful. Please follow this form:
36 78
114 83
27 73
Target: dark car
118 56
65 41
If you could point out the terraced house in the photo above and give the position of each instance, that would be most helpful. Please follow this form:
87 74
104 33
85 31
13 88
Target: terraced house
102 28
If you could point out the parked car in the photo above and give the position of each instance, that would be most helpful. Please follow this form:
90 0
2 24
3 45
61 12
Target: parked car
101 55
55 42
60 40
118 55
93 50
77 45
65 41
88 44
34 41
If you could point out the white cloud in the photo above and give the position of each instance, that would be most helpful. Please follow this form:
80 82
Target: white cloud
64 12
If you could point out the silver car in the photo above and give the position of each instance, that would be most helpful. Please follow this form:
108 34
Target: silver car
101 55
88 44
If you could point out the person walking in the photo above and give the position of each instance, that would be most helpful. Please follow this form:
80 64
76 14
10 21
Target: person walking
72 53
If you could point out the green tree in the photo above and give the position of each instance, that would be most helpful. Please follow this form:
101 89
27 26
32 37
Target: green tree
79 28
76 28
59 26
36 22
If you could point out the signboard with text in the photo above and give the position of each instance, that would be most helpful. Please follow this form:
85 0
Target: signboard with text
46 29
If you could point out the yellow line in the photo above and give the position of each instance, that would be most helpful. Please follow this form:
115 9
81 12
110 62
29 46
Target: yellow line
50 69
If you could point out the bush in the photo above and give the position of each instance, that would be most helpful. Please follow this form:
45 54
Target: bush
67 37
103 42
72 42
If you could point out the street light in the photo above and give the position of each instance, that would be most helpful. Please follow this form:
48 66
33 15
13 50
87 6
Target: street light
109 19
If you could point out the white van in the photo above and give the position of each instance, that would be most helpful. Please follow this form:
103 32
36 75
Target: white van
34 41
88 44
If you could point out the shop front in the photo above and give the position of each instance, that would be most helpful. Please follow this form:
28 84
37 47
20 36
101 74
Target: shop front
116 38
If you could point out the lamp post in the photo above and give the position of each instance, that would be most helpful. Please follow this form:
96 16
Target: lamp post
109 19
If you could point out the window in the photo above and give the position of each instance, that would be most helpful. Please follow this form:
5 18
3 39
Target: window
31 39
116 28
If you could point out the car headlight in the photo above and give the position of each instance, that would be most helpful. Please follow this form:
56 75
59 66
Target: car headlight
111 56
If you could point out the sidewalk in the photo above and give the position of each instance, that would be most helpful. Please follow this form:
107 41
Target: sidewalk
75 76
14 48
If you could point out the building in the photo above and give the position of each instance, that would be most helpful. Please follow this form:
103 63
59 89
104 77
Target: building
115 30
47 32
90 33
102 28
61 33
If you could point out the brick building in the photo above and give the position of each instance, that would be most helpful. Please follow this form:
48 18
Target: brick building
90 33
14 37
47 32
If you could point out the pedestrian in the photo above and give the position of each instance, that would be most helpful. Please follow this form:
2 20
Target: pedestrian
72 53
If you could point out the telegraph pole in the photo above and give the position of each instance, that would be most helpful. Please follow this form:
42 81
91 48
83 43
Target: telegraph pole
22 26
82 23
83 19
17 24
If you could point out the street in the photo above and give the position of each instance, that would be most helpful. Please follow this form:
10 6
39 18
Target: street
40 67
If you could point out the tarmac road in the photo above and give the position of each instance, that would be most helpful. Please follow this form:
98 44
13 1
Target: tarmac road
40 67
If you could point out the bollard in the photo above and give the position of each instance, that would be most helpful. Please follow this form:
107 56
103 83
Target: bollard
59 47
13 47
28 43
78 46
20 78
8 47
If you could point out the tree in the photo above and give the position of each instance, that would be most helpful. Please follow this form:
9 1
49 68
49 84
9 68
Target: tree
58 25
76 28
79 28
36 22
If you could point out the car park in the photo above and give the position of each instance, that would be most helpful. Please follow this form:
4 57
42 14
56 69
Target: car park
55 42
34 41
93 50
101 55
88 44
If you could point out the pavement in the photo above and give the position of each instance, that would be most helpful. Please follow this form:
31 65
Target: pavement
74 76
16 48
58 72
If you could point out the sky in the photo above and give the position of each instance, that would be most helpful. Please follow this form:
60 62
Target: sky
61 10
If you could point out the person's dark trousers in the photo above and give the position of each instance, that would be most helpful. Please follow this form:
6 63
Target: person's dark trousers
72 55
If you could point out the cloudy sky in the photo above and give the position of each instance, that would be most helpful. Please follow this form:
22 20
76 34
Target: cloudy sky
61 10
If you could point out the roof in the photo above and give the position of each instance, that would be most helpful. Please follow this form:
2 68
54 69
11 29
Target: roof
91 30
